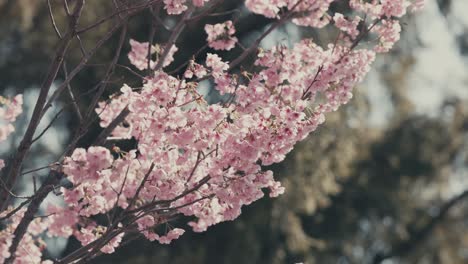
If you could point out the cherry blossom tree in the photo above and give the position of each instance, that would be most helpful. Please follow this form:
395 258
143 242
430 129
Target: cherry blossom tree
191 158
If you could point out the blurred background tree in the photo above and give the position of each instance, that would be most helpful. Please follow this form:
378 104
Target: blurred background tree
385 179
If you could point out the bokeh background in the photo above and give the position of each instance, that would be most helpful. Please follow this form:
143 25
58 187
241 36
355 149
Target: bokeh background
384 180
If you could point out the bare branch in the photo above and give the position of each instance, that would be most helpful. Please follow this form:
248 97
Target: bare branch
52 20
48 126
26 142
406 246
72 96
130 10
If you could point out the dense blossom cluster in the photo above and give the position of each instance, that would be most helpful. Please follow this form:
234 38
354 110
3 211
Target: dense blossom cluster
206 160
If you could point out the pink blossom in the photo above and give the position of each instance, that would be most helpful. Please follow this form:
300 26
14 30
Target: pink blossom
267 8
170 56
217 66
315 12
171 235
346 25
61 221
113 244
9 111
394 8
199 3
389 34
220 36
374 8
176 7
184 143
31 249
195 69
138 55
13 109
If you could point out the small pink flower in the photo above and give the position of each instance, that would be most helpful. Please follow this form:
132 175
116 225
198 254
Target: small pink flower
348 26
216 64
220 36
176 7
138 55
171 235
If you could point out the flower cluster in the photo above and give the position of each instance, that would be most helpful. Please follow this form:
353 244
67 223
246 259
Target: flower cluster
147 222
176 7
349 27
206 160
9 111
386 8
315 11
389 34
195 69
184 144
32 244
202 160
220 36
140 53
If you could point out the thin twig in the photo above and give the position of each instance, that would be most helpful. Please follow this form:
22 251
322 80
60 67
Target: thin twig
72 96
36 169
52 20
173 38
255 45
404 247
48 126
142 184
12 212
26 142
134 9
80 66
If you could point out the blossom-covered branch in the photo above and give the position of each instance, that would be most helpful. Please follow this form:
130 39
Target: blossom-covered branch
192 158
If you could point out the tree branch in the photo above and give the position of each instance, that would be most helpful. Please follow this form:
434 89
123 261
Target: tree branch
26 142
405 247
